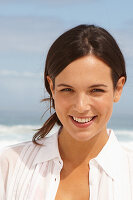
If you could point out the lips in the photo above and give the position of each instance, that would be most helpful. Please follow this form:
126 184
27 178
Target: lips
82 122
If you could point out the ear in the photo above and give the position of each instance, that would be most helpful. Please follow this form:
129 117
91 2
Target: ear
51 85
119 88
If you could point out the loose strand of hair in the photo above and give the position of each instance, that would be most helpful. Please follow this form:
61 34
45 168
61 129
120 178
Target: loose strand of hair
45 129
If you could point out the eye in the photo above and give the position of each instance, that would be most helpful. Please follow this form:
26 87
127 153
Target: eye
66 90
97 90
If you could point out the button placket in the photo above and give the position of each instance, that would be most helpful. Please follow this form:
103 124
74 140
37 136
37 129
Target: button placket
56 177
93 176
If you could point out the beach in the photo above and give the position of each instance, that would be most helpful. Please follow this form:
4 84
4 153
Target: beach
17 131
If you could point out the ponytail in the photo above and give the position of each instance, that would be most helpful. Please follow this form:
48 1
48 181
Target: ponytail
47 126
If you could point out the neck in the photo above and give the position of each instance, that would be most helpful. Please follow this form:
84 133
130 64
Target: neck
76 152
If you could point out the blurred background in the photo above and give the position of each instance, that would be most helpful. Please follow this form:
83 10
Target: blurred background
27 30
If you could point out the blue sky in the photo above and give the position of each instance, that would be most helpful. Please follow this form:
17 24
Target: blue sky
28 28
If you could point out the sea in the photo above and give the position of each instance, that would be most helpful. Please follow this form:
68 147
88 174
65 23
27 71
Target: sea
20 126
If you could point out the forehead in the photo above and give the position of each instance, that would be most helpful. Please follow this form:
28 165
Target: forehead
85 69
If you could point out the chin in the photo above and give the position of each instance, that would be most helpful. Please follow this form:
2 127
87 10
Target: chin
83 137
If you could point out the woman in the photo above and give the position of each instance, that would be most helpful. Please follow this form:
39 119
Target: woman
74 156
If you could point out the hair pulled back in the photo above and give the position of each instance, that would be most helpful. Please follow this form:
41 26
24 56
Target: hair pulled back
77 42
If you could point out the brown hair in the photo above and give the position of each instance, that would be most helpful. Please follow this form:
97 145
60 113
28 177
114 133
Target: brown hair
80 41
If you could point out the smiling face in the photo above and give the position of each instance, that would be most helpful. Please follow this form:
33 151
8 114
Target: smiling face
84 96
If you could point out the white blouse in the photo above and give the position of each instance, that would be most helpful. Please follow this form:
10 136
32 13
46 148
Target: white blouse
32 172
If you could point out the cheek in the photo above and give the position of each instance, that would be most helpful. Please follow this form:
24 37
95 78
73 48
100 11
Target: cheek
104 105
61 103
62 107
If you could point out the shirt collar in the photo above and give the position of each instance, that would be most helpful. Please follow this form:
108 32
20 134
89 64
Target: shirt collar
49 149
111 158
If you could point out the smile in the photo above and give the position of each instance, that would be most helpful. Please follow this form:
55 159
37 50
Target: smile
82 120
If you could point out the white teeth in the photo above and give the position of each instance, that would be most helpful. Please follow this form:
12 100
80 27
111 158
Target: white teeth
82 120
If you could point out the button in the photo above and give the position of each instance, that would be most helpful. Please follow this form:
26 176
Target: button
55 179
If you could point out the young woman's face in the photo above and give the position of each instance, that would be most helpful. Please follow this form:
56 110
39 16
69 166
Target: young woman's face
84 97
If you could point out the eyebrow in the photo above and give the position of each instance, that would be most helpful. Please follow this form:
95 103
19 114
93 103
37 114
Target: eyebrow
92 86
98 85
63 85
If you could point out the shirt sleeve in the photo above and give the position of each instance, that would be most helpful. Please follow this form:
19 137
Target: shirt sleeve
8 159
2 190
3 177
130 162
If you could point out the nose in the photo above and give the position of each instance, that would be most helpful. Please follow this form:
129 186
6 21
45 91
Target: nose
82 103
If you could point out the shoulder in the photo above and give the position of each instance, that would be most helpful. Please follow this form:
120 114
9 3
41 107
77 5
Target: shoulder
9 155
8 159
28 150
129 154
126 148
13 150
